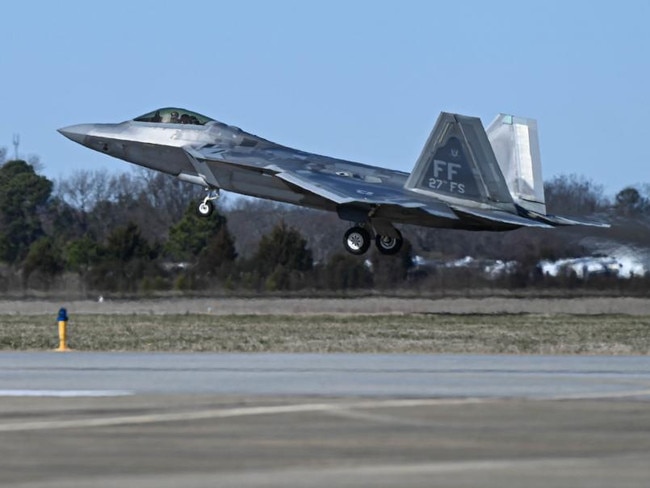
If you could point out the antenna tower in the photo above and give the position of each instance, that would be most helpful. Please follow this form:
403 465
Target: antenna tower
16 144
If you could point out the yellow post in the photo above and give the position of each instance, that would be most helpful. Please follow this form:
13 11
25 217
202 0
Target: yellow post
63 323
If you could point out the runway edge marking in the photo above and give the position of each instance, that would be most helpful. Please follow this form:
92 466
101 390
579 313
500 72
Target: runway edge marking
64 393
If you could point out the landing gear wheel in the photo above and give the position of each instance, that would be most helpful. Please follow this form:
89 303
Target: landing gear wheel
205 208
356 240
389 245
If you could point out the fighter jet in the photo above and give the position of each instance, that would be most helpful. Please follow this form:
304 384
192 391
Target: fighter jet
465 178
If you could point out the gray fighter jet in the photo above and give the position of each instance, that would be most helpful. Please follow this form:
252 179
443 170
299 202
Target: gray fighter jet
465 178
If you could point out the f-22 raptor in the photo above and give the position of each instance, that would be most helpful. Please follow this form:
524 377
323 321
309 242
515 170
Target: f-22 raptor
465 178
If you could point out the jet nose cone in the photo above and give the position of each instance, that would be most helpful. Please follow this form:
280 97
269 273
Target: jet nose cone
77 133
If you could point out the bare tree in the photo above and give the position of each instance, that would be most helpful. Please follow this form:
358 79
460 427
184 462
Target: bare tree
574 195
84 189
168 195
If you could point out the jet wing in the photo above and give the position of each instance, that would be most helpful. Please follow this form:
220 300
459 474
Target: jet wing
348 191
324 178
356 193
364 194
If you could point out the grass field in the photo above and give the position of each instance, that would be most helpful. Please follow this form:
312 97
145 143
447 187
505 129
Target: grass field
368 333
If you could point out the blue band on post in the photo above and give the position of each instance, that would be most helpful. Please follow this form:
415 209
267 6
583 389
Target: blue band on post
63 315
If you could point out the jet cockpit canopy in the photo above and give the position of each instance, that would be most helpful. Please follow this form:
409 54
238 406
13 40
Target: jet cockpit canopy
173 115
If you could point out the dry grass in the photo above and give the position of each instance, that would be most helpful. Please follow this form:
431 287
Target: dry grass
412 333
368 305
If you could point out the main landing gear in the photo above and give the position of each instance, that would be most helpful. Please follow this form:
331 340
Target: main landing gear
357 241
206 207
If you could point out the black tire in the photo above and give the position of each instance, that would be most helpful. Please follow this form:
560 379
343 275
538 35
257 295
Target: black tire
356 240
205 209
389 245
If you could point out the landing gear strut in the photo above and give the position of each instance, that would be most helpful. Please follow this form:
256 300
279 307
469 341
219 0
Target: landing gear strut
206 207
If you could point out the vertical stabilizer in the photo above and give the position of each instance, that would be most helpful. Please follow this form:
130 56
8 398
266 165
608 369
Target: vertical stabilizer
458 165
516 147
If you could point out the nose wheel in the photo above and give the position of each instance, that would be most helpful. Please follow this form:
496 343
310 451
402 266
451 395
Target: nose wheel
206 207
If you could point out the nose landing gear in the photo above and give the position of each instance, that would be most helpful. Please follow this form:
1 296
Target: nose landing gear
206 207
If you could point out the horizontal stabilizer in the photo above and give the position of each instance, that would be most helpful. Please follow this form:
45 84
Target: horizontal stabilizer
498 218
558 220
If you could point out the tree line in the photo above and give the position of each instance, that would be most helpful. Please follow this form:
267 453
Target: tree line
138 232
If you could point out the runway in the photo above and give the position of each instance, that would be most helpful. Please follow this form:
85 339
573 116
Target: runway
144 420
332 375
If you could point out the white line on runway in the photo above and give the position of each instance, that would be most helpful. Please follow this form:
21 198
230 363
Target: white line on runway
341 407
601 395
231 412
378 471
64 393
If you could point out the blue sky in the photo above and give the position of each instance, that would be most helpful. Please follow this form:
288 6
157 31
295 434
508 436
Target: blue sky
361 80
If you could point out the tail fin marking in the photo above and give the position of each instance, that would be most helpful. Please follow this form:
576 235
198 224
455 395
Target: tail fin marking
457 163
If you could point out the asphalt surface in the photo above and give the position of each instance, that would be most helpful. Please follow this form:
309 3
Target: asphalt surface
195 420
